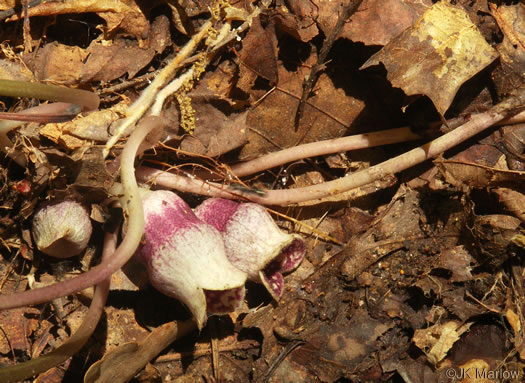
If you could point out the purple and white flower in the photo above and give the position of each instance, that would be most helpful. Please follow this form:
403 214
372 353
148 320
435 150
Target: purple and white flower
253 241
186 258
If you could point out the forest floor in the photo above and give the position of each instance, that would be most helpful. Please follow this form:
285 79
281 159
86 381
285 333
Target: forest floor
414 228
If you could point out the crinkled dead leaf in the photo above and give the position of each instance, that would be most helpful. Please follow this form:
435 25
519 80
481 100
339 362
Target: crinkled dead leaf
123 15
96 125
258 56
272 121
106 60
457 260
216 130
19 324
493 234
434 57
437 340
54 133
301 23
14 70
463 174
110 60
511 21
514 320
513 200
376 22
57 63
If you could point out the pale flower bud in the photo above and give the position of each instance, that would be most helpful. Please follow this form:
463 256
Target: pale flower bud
62 229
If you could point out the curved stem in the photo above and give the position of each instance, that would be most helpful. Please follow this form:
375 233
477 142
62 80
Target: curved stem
71 346
87 100
126 249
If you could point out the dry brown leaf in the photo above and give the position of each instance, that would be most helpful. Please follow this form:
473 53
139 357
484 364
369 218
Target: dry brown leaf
258 56
511 21
463 174
19 324
216 130
457 260
437 340
302 23
514 321
434 57
57 63
96 125
513 200
272 121
14 70
110 60
124 15
7 4
376 22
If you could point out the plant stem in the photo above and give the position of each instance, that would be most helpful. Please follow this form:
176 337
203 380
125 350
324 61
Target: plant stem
320 148
475 125
57 108
135 214
139 107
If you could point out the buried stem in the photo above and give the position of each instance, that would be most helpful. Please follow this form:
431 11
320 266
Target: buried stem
71 346
475 125
135 213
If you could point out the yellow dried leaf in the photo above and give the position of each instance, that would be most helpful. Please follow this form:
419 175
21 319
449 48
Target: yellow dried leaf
435 56
437 340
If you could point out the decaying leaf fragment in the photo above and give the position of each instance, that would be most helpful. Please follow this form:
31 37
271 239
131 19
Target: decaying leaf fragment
437 340
436 55
376 22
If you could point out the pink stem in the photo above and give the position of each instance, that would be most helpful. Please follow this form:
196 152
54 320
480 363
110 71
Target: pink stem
321 148
475 125
123 252
70 347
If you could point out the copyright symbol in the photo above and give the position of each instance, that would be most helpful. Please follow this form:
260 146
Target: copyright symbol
450 373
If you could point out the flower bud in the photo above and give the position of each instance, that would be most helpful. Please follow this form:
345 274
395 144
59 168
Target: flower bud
185 258
62 229
253 241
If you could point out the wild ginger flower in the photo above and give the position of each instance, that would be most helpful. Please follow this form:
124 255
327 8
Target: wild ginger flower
186 259
253 241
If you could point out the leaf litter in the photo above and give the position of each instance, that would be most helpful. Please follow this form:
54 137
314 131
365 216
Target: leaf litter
416 275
